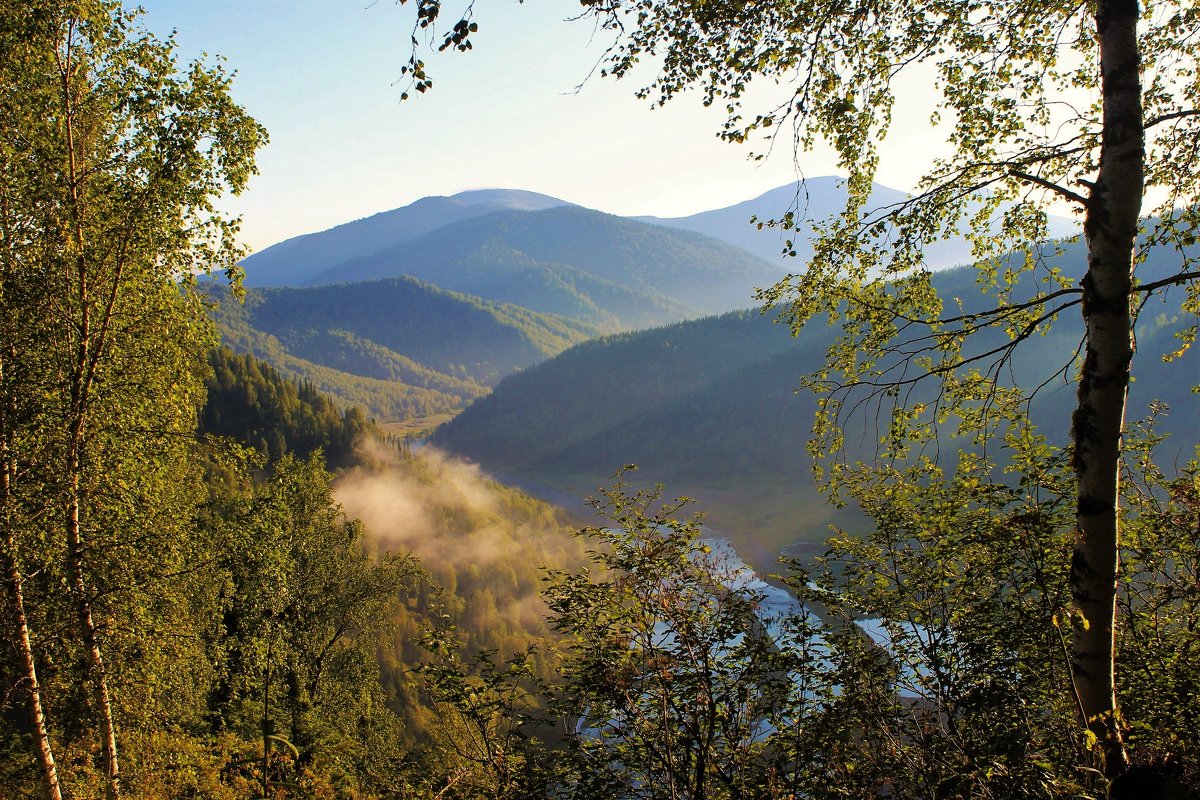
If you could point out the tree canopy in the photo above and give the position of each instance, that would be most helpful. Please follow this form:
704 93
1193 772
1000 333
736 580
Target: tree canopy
113 156
1097 105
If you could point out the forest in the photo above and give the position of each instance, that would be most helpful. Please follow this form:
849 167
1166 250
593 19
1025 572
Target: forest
217 582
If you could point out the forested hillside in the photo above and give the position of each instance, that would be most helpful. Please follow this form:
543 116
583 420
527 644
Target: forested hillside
397 347
484 546
249 401
710 408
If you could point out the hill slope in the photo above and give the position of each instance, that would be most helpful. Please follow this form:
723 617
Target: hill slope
398 347
294 261
251 402
709 408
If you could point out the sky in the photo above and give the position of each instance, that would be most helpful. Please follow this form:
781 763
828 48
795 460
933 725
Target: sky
519 111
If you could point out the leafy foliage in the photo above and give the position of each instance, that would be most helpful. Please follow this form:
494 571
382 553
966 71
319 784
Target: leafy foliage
964 680
930 656
302 606
1159 600
1094 104
491 715
112 162
671 681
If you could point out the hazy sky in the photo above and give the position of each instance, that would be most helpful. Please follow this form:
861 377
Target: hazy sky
324 77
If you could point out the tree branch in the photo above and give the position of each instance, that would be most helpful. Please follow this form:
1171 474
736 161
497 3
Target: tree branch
1174 280
1054 187
1191 112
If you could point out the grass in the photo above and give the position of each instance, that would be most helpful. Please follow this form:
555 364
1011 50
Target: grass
417 427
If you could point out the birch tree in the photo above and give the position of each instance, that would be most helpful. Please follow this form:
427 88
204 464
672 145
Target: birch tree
1096 106
113 159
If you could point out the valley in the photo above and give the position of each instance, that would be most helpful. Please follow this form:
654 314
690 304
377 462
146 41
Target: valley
552 344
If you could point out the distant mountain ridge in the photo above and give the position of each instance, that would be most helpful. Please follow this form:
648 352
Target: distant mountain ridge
295 261
375 246
568 260
815 200
526 271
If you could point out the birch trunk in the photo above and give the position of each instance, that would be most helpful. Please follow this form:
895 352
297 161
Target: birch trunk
23 637
1110 230
90 344
43 751
91 641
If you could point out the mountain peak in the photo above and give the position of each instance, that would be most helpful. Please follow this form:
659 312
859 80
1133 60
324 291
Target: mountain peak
296 261
514 199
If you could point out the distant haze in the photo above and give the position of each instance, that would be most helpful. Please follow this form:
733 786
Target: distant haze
303 259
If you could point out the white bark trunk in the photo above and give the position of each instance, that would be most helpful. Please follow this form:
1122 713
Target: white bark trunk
1110 230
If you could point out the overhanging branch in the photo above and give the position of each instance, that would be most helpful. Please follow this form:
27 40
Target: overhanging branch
1054 187
1190 112
1174 280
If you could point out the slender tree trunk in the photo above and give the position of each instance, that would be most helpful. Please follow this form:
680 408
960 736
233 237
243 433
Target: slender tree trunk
267 728
704 745
37 714
91 641
43 752
1098 423
51 789
76 557
83 371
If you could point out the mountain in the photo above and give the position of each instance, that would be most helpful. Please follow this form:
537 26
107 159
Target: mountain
295 261
709 408
814 200
532 274
547 255
574 262
374 244
398 347
706 407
